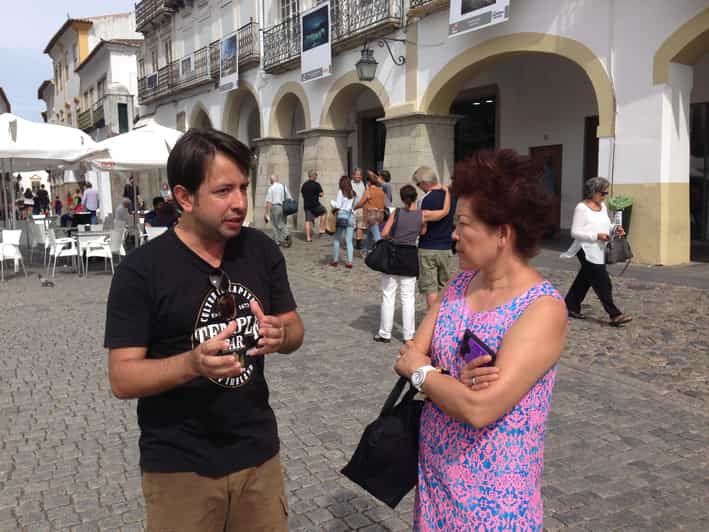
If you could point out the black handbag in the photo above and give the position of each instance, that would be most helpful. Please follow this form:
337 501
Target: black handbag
385 462
290 206
394 259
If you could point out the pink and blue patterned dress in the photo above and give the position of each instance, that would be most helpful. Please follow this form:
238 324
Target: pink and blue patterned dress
489 478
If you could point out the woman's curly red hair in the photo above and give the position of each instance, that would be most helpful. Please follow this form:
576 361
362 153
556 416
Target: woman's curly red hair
506 189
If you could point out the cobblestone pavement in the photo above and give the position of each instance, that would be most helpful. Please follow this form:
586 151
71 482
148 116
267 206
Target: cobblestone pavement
627 442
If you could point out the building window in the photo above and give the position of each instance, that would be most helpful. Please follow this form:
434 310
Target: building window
289 8
123 118
168 51
100 89
141 68
154 59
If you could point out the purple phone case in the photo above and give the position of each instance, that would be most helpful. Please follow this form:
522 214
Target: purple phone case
473 347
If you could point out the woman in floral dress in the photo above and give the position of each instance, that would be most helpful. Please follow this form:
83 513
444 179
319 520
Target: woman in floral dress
482 430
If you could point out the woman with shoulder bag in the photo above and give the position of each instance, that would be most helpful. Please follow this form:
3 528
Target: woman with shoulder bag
403 227
591 229
345 221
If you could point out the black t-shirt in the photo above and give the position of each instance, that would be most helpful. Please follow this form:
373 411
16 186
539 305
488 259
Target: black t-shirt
311 191
161 298
438 234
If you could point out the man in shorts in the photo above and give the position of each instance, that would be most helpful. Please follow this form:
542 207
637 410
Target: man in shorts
190 316
435 247
312 192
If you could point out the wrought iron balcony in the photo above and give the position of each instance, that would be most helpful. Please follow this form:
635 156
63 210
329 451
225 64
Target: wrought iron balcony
281 45
354 19
98 114
149 12
198 68
84 120
418 8
249 49
351 22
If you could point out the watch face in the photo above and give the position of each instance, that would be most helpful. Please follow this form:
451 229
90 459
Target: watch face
417 378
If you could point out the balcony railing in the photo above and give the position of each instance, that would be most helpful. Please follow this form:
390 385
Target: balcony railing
351 22
249 49
281 45
148 12
98 114
190 71
84 120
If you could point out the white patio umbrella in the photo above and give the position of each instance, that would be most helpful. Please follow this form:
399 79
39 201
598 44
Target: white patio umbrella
144 148
26 146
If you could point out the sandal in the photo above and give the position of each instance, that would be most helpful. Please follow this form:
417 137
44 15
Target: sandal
621 319
333 264
381 339
576 315
348 265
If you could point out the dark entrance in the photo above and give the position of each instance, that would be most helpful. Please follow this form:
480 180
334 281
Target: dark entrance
699 180
550 158
372 140
590 147
477 128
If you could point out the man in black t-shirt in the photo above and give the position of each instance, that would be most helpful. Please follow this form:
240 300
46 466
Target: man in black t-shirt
312 192
189 317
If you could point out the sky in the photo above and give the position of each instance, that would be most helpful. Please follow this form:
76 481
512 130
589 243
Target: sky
26 26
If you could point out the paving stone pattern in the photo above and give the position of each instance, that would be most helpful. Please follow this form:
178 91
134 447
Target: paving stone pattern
627 442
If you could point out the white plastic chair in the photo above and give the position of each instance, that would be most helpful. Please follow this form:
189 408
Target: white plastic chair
10 250
62 247
116 241
154 232
98 248
97 227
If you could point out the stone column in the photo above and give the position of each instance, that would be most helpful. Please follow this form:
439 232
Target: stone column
651 165
280 156
418 139
325 151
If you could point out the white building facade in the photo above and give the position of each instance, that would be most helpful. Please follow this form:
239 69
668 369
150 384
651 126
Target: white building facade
73 103
602 87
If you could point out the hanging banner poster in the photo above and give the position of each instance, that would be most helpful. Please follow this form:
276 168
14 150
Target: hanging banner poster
228 63
471 15
315 51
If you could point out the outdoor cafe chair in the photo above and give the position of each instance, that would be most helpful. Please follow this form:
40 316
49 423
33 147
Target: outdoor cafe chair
62 247
101 249
96 227
116 240
154 232
38 236
10 250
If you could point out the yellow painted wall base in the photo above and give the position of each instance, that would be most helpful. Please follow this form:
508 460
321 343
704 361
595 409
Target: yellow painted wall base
659 225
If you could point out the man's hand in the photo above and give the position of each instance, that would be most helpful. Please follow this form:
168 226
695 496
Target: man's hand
206 361
603 237
271 329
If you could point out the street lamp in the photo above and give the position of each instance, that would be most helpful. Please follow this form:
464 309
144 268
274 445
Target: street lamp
367 65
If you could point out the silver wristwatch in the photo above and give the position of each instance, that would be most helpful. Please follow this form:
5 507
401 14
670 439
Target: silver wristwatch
419 376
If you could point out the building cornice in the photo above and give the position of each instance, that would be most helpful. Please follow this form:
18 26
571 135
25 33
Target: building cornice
75 23
113 44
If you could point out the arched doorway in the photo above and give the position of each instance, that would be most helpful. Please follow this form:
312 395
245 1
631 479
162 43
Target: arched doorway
242 120
541 95
357 107
685 54
199 117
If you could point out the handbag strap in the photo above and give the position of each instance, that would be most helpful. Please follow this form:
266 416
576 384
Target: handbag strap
395 393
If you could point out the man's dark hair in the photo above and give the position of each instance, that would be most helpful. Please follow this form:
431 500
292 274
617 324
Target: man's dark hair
157 200
386 176
192 154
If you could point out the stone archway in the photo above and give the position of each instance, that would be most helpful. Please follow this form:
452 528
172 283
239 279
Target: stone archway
342 93
199 117
289 101
444 87
684 46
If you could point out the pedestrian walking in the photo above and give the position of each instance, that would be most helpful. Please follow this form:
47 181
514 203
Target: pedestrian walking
482 428
190 316
27 203
273 212
591 229
43 197
345 221
314 211
359 188
91 201
435 247
404 227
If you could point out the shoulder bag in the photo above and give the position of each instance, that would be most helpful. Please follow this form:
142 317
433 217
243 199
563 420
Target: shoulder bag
394 259
618 250
385 462
290 206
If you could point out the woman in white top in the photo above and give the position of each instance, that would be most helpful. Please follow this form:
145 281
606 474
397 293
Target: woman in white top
344 209
591 229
